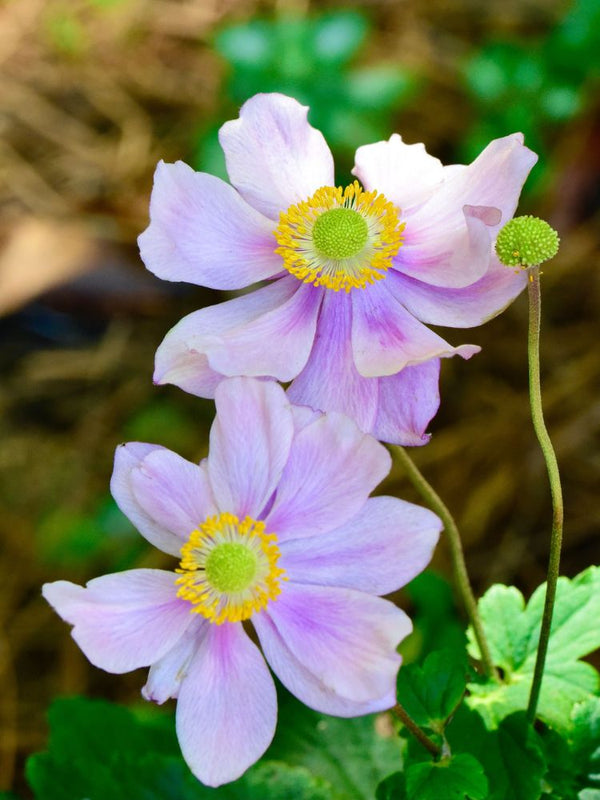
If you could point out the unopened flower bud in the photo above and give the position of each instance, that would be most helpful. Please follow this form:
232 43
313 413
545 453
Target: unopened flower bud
526 242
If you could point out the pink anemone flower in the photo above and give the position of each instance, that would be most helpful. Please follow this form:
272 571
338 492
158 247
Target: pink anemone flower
354 272
276 529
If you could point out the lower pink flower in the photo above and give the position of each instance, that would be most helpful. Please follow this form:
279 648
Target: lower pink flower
275 527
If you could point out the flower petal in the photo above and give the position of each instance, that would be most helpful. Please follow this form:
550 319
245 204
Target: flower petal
274 157
405 173
201 231
301 682
459 308
165 676
407 403
227 706
292 325
228 333
332 468
379 550
250 442
329 381
125 620
346 639
386 338
447 249
173 492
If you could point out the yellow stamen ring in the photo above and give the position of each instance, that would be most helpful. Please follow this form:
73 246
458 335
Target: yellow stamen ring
340 238
228 569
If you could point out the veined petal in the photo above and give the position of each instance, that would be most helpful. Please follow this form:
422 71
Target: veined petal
405 173
201 231
306 686
331 470
346 639
330 381
173 492
407 403
127 458
459 308
247 350
377 551
250 442
446 249
386 338
274 157
182 357
227 706
165 676
125 620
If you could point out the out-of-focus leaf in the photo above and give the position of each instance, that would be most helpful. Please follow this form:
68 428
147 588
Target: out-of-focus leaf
337 36
378 87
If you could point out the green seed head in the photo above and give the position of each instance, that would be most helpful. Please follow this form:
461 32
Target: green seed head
340 233
231 567
526 242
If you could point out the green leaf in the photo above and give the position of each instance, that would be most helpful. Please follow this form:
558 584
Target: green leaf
584 740
351 754
337 36
512 756
457 778
275 781
392 788
431 693
378 87
513 631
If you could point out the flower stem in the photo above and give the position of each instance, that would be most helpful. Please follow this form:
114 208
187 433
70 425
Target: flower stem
456 552
417 732
537 415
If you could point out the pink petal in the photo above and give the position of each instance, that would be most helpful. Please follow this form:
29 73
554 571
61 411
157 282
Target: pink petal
459 308
174 493
165 676
407 403
249 444
405 173
386 338
332 468
125 620
447 249
202 232
306 686
274 157
127 458
379 550
227 706
233 335
346 639
329 381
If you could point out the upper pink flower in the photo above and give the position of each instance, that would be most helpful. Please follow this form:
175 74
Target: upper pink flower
354 272
275 527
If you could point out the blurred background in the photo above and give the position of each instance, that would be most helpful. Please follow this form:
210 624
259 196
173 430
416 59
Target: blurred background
92 94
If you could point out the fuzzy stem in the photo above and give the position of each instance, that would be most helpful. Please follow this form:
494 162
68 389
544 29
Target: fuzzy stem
456 552
537 415
417 732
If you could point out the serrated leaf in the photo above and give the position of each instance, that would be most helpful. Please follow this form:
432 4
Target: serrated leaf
431 692
584 740
513 631
458 778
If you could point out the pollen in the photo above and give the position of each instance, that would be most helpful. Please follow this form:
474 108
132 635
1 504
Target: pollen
228 569
340 238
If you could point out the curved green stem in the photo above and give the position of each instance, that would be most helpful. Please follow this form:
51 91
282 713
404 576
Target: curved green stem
537 415
417 732
434 501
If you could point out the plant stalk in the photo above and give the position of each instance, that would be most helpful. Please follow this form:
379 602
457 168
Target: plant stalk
417 732
456 552
537 416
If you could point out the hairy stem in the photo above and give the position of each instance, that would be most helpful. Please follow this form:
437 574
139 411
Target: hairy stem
456 552
537 415
417 732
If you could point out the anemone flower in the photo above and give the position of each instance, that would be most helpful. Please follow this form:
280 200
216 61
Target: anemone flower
353 272
274 529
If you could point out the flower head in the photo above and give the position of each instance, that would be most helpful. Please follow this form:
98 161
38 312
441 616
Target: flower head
526 242
274 529
355 272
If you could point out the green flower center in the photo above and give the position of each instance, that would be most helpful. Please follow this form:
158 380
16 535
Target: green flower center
526 242
231 567
340 233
